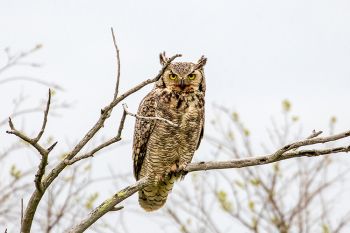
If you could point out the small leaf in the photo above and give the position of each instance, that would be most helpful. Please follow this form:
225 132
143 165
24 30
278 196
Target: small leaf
251 206
90 201
286 105
246 132
231 136
255 182
295 118
325 228
235 117
15 173
224 203
333 120
239 184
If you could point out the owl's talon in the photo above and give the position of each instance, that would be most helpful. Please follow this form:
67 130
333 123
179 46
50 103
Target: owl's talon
173 168
181 168
159 179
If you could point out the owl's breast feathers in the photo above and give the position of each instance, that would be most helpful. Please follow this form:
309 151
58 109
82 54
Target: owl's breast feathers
184 109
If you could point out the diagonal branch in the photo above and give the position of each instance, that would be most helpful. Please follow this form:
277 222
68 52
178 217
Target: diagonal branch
108 205
101 146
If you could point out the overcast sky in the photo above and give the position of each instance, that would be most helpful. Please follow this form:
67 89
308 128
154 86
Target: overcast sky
259 53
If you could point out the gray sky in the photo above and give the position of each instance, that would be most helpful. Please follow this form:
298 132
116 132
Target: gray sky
259 53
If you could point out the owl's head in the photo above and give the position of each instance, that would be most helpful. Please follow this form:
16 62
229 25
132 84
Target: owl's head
183 76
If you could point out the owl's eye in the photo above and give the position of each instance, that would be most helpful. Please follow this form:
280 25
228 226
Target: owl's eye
172 76
191 76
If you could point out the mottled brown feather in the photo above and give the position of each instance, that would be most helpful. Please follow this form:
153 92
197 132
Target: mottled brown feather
159 146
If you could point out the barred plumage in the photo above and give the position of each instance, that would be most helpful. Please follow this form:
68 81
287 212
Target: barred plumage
161 150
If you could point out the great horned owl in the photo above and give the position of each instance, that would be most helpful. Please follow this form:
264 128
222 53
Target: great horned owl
160 150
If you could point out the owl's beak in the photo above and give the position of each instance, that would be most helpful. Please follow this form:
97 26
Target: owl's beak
182 84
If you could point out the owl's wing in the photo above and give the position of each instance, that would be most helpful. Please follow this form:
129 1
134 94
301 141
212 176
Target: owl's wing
143 130
202 131
200 136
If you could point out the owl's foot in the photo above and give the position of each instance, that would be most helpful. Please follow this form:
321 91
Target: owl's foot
171 171
176 170
180 171
159 179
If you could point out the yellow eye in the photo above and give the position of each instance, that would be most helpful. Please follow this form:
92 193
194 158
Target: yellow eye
191 76
172 76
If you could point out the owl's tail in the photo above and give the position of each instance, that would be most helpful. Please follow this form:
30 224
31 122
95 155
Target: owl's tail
152 197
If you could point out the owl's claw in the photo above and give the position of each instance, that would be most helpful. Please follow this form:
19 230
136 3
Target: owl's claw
180 170
159 179
176 170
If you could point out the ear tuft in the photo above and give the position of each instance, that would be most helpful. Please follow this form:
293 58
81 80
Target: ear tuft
201 62
162 58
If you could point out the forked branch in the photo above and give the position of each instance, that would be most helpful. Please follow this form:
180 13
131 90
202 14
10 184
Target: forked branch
44 152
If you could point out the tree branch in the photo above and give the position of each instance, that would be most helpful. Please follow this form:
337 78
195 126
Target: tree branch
51 176
148 118
46 112
110 203
118 65
101 146
34 142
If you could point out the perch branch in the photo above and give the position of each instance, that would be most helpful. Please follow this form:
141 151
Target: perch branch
110 203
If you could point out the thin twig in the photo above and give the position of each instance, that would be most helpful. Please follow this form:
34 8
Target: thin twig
118 65
46 112
32 80
117 208
148 118
21 211
15 60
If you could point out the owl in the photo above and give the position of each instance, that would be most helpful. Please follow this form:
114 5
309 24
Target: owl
160 150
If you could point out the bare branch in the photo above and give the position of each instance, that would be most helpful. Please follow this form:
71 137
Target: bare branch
46 112
33 80
15 60
148 118
110 203
314 134
261 160
25 138
92 152
101 146
118 65
105 114
34 142
21 210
